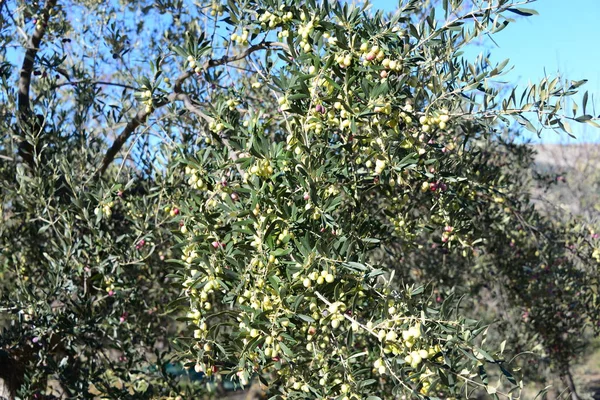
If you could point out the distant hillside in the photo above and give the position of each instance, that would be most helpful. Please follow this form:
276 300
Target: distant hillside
575 172
568 156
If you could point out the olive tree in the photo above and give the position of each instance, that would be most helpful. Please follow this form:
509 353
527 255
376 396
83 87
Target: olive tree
287 210
277 171
84 285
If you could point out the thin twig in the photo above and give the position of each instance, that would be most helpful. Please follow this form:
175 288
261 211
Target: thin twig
93 83
12 18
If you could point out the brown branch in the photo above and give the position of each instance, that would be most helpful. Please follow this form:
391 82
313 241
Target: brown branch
93 83
224 60
567 378
131 126
178 94
25 113
190 106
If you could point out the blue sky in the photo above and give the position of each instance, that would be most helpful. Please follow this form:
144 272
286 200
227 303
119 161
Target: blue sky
564 38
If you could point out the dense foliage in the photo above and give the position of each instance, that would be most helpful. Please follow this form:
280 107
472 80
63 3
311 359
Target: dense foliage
310 188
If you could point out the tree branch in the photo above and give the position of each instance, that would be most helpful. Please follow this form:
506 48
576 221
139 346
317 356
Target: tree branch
25 113
178 94
261 46
131 126
189 105
94 83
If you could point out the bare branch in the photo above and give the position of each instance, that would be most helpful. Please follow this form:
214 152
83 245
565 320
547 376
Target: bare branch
25 114
94 83
12 18
131 126
261 46
189 105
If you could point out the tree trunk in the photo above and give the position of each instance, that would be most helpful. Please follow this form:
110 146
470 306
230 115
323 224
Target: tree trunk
567 378
10 376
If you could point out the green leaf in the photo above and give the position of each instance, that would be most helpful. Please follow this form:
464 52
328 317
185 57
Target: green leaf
583 118
43 229
305 318
565 126
355 266
286 349
526 123
576 84
525 12
508 375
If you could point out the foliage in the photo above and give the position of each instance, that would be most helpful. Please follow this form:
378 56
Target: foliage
372 113
542 268
329 182
84 283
